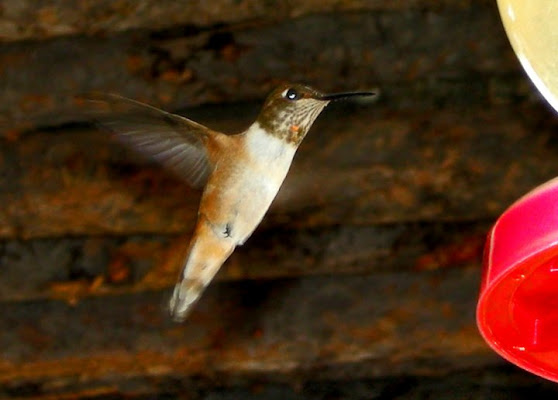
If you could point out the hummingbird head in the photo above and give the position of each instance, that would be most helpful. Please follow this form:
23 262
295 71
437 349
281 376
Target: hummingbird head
291 109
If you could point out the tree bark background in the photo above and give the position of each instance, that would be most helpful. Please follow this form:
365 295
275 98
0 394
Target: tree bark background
362 280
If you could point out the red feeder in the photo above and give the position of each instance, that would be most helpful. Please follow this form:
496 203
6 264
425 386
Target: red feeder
517 311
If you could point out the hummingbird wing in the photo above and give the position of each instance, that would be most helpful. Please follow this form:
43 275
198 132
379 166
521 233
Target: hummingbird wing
176 142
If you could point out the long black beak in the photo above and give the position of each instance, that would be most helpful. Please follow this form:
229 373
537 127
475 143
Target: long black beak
345 95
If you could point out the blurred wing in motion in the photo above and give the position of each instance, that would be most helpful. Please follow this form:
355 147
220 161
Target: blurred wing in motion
176 142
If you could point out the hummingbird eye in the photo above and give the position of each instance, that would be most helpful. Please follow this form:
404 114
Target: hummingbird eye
291 94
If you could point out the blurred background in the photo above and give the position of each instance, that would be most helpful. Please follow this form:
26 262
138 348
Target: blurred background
362 281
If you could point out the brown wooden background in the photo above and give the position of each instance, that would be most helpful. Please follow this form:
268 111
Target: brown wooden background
362 281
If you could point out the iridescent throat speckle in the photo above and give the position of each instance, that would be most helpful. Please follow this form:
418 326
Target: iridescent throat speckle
288 119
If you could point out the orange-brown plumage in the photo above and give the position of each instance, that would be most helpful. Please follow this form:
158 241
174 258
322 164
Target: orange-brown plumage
241 174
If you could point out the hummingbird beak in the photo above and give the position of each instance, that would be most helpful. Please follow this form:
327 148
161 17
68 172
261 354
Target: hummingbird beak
344 95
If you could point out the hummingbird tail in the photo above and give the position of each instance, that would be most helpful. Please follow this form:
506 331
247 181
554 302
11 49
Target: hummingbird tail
207 253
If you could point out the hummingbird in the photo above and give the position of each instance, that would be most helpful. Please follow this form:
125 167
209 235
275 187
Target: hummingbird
240 173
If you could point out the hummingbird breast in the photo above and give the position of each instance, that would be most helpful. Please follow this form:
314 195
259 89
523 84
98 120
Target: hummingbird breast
242 188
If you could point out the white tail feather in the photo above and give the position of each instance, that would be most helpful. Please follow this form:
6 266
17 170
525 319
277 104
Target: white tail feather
208 251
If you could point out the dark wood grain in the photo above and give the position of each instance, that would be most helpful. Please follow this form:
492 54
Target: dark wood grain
357 166
394 323
422 58
362 280
74 268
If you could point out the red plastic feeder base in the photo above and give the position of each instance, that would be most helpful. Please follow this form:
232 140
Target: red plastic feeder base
517 313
